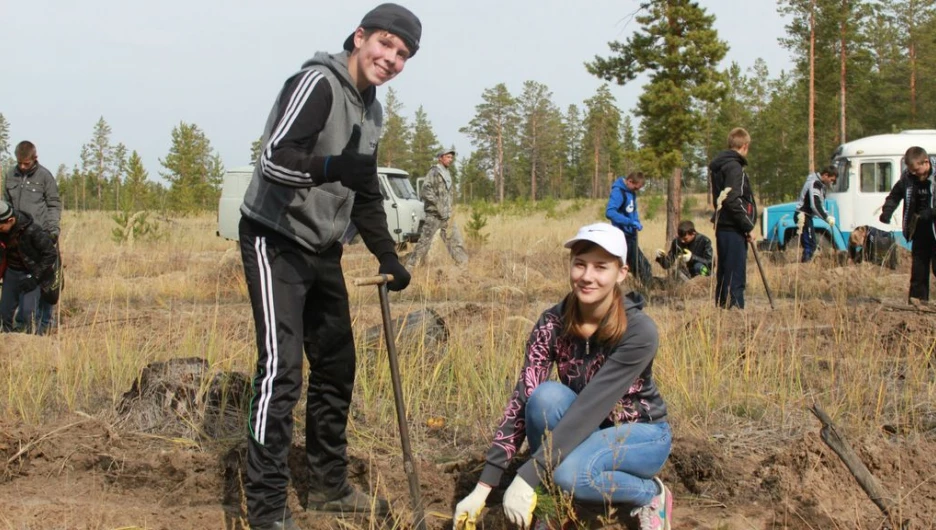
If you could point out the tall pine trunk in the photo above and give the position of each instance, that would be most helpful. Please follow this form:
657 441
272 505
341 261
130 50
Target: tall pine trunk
673 203
842 61
500 165
812 86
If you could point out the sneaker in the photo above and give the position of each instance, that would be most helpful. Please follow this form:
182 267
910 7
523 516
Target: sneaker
355 502
286 524
656 515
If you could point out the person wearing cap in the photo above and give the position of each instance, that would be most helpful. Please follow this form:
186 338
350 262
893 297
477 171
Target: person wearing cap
31 188
601 430
28 267
436 194
811 204
690 251
317 173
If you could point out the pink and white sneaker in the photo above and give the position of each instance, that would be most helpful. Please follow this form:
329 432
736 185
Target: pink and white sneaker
657 514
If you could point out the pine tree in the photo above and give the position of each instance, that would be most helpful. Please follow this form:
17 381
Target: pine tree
424 145
396 136
255 148
5 155
573 130
97 165
193 171
601 149
540 140
679 48
135 196
492 130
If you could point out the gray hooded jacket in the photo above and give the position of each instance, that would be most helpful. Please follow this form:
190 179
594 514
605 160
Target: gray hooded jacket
293 197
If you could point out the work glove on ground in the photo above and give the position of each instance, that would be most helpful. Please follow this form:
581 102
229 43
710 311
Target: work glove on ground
519 502
926 214
354 170
831 220
390 264
686 256
469 509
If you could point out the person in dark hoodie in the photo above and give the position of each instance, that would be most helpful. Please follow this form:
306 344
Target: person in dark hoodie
27 267
915 189
812 204
690 251
601 430
735 212
317 173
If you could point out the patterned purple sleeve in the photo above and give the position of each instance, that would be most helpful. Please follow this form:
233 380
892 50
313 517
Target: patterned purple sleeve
511 431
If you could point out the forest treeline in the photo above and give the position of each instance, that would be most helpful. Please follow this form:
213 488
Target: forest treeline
860 67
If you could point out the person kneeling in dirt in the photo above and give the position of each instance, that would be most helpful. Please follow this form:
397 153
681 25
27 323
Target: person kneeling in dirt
604 417
690 251
28 267
872 245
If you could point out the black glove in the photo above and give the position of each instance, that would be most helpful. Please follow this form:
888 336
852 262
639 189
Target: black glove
355 171
28 284
390 264
884 218
926 214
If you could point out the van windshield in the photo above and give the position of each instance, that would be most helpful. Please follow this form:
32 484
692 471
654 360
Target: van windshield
401 186
844 172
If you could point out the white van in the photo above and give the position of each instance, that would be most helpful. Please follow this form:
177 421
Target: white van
405 213
867 170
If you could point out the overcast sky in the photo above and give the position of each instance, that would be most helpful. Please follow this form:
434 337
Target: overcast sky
147 65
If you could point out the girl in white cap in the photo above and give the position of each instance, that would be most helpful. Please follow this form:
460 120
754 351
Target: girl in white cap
604 418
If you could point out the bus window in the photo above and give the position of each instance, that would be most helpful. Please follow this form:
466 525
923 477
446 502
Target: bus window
844 172
876 177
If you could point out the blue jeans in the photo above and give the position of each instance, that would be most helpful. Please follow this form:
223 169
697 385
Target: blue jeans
808 239
616 464
13 298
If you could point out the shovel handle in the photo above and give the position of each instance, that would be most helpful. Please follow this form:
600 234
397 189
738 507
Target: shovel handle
380 279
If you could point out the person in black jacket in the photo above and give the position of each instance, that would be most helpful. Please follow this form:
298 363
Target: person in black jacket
28 266
690 251
915 189
735 212
812 204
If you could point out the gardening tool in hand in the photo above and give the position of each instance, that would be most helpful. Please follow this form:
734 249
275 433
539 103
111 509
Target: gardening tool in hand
761 271
381 282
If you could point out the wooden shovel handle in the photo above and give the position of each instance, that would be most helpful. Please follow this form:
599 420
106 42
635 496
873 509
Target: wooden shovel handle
373 280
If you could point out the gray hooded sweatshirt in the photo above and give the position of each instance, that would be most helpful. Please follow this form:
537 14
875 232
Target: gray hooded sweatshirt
312 119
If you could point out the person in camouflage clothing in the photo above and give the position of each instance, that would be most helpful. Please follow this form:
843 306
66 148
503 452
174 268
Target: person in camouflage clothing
436 194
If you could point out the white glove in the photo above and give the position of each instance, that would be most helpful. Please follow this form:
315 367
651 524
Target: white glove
686 256
468 510
831 220
519 502
660 253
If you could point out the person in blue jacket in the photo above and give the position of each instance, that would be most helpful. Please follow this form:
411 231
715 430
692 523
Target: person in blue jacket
622 212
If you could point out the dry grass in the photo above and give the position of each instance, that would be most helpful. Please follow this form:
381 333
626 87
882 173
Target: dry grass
747 376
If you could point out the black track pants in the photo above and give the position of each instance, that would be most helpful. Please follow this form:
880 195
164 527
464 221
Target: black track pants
923 261
730 269
299 301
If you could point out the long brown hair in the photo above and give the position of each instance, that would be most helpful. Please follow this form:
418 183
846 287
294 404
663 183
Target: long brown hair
614 323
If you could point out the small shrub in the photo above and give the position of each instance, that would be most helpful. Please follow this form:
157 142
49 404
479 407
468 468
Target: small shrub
475 224
654 203
689 204
133 227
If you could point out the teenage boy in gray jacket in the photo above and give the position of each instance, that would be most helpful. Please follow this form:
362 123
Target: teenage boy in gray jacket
317 173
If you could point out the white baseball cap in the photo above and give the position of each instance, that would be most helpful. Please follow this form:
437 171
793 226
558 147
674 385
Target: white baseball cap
604 235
